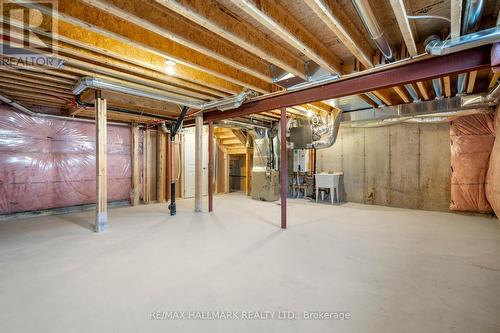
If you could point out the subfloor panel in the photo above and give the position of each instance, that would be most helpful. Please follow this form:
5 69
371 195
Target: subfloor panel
393 270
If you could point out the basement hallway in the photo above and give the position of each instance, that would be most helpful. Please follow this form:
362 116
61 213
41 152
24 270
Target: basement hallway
388 269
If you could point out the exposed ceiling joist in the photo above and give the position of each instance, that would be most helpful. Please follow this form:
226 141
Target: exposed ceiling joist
407 28
284 25
471 82
333 16
183 76
176 29
211 16
422 87
83 15
152 64
402 94
89 69
456 17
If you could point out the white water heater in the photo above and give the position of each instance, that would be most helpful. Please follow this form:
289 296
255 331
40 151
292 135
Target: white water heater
301 160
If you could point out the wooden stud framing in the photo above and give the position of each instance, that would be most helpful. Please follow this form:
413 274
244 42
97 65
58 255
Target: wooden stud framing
161 165
210 166
101 217
146 179
135 190
198 187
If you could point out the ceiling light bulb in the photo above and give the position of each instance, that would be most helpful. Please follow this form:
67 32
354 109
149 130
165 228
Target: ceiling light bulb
170 63
170 70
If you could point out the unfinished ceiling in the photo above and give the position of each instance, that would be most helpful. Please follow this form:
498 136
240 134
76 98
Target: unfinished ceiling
208 50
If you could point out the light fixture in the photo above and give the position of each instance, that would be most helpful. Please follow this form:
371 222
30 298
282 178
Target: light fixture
170 66
170 63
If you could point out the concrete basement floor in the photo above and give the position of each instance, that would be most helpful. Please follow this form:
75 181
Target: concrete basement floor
394 270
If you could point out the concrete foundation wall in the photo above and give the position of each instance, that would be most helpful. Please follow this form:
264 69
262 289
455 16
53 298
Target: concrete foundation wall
404 165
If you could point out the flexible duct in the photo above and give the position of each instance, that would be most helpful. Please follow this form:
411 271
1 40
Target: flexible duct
333 125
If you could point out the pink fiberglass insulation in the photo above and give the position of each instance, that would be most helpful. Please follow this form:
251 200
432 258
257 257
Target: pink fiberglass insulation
493 176
495 57
471 144
49 163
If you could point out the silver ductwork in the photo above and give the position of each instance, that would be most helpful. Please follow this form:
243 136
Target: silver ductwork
374 98
17 106
490 98
365 12
240 124
413 93
426 111
221 104
472 15
330 133
435 46
461 82
438 88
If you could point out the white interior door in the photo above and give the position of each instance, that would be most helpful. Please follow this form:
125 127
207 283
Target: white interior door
189 172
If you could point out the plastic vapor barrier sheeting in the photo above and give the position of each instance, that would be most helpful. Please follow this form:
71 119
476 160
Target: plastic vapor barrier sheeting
471 144
50 163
